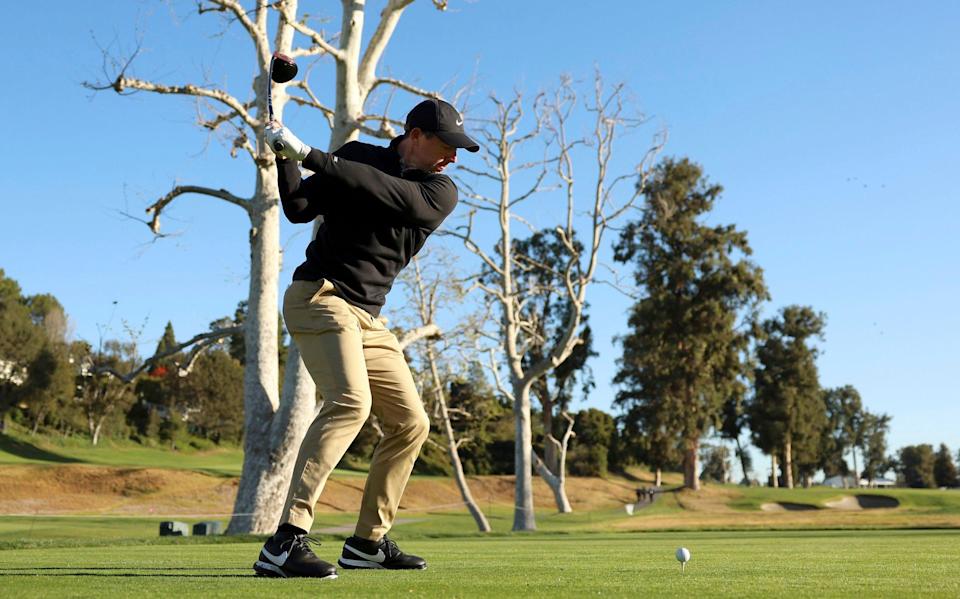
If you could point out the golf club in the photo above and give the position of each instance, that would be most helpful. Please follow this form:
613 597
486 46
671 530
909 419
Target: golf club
282 69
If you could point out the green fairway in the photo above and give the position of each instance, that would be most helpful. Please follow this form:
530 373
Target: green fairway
17 447
743 564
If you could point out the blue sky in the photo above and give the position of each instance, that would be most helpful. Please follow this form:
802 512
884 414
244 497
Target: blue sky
833 130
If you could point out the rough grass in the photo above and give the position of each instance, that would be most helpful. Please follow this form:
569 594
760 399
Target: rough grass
742 564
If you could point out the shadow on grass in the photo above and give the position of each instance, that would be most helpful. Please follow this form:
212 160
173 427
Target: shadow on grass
124 572
29 451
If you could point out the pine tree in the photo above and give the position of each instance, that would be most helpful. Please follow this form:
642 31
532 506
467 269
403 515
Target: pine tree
685 354
787 414
915 466
874 449
944 470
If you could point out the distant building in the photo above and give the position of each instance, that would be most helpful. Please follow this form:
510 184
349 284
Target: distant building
840 482
878 483
10 372
849 482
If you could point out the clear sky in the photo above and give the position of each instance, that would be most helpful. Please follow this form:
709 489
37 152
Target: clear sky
833 128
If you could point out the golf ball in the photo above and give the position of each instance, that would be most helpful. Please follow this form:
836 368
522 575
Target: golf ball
683 555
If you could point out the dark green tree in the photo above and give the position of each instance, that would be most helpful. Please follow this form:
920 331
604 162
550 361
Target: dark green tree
787 414
212 395
716 463
915 466
49 375
844 430
591 447
944 470
158 403
656 445
50 383
20 341
686 352
876 461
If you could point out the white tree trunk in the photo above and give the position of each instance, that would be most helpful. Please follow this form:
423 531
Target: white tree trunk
659 478
261 379
453 449
773 470
523 514
557 484
691 465
788 462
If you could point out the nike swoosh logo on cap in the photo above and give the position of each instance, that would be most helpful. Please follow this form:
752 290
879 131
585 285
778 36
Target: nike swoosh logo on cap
379 557
459 122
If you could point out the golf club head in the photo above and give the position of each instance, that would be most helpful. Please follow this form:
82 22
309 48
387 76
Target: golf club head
284 68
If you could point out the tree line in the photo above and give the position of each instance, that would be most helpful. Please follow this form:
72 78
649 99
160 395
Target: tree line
50 384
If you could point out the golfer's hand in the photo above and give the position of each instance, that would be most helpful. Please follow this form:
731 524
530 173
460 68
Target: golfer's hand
284 143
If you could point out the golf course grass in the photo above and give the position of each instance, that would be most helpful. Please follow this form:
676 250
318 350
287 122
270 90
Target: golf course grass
738 564
80 521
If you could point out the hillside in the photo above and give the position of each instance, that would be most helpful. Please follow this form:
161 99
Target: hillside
68 489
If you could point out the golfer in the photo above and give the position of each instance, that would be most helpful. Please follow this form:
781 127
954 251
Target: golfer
379 205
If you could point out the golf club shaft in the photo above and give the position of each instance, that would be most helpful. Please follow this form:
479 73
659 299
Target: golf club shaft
277 145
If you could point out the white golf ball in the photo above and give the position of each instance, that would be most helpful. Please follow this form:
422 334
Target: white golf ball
683 555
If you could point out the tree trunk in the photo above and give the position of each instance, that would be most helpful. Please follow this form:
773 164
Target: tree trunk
254 510
556 484
856 473
659 478
523 514
37 421
788 462
691 465
452 448
773 470
743 462
550 454
96 432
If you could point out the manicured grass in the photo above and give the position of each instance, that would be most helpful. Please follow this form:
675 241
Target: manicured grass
17 447
947 501
741 564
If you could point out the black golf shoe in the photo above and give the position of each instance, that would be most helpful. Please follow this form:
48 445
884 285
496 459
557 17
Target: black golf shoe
384 554
287 555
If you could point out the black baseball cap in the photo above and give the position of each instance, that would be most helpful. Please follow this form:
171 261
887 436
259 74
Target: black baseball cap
443 120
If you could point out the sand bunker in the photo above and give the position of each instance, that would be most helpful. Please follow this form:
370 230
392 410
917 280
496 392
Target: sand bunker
787 506
864 502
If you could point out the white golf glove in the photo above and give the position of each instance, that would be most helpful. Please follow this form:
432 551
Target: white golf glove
284 143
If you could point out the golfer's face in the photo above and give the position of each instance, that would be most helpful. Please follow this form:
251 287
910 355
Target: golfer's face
432 154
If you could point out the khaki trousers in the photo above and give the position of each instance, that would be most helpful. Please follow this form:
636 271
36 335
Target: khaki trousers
358 366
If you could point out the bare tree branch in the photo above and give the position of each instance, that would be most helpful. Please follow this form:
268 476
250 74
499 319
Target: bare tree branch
423 332
200 342
315 37
157 207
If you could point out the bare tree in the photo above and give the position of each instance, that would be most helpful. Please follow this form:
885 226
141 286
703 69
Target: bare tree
503 143
99 393
427 294
274 425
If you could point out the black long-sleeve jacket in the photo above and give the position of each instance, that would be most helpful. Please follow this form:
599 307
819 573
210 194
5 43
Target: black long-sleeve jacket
375 218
